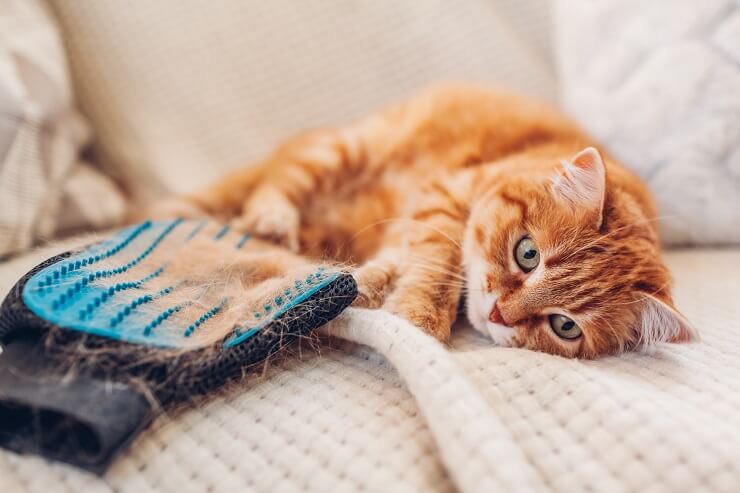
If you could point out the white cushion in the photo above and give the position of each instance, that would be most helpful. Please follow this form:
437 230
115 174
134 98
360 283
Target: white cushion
658 83
179 91
44 187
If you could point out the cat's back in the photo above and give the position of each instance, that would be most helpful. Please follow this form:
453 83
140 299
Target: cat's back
472 106
441 129
457 125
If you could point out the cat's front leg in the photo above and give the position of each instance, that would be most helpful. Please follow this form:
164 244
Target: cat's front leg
270 214
429 278
313 163
427 291
375 279
401 284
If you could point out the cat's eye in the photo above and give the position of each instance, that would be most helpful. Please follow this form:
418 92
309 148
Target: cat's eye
526 254
564 327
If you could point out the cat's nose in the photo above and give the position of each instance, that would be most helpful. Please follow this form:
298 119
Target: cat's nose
496 316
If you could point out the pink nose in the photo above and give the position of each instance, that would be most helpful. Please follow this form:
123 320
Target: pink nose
496 316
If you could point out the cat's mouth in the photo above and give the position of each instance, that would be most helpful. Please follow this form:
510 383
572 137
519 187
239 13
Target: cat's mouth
482 311
500 331
502 335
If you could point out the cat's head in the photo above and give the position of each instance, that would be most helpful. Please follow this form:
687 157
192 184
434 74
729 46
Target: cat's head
568 263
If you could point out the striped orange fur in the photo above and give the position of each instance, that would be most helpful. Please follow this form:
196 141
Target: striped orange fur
429 200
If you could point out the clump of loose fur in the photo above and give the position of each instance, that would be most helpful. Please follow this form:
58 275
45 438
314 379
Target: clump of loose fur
202 273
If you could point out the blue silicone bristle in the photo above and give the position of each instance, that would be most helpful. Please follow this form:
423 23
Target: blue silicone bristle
204 318
222 232
198 228
280 303
136 303
243 241
74 265
157 321
114 289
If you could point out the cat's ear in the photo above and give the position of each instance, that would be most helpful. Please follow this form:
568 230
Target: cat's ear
661 322
582 182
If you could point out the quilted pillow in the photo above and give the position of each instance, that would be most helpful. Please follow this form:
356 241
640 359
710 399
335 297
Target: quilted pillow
659 84
44 189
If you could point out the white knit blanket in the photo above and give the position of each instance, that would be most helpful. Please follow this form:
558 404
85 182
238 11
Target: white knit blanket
412 415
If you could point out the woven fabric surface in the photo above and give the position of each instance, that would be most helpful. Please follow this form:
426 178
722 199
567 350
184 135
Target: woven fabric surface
180 91
344 417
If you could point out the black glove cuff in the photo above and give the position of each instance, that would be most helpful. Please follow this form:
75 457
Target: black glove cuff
71 418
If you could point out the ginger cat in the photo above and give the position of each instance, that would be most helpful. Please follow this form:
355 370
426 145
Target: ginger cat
463 190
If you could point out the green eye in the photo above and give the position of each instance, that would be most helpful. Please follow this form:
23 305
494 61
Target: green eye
564 327
526 254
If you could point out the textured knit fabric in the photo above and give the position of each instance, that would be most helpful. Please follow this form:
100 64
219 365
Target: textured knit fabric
44 188
658 83
476 418
179 91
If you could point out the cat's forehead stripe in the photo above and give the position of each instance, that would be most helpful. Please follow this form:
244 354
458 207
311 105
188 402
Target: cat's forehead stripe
522 205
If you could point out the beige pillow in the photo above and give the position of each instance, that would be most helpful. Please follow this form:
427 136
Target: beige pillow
41 136
179 91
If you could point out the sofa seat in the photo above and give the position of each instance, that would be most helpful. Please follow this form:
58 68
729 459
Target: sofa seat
341 416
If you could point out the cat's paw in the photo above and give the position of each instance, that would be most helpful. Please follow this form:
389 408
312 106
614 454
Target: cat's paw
374 279
173 208
434 321
278 222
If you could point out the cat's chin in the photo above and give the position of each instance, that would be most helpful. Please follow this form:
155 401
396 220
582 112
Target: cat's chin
501 334
479 307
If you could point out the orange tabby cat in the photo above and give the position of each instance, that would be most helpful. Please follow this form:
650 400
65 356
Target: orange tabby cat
466 190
